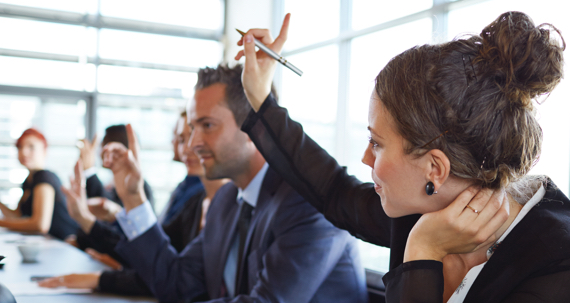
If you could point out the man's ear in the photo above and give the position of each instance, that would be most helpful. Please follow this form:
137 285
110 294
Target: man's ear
438 167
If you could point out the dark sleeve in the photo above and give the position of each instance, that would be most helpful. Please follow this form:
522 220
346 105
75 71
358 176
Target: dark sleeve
310 170
94 187
415 281
169 275
548 285
44 176
123 282
102 238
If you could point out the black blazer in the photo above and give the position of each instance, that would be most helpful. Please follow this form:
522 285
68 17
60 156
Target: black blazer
293 253
531 265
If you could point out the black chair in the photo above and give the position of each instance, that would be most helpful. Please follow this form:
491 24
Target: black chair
376 288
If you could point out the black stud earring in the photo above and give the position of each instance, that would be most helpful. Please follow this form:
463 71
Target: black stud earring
430 188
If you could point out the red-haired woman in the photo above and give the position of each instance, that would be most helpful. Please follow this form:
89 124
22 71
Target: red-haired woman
42 206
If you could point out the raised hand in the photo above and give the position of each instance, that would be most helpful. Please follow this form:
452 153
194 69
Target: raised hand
458 229
87 152
103 208
259 67
77 200
126 170
90 281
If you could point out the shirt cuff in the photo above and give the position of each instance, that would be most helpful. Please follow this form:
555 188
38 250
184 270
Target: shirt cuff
90 172
137 221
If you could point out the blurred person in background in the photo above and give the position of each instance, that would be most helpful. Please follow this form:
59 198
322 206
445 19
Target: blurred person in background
103 201
95 188
183 227
42 207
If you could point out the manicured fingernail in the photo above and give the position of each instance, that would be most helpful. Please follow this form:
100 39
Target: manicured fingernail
248 38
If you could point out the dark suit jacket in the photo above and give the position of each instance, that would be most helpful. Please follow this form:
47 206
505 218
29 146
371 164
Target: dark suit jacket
293 253
181 230
531 265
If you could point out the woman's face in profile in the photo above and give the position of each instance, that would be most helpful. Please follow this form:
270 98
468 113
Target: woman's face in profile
399 179
32 153
187 155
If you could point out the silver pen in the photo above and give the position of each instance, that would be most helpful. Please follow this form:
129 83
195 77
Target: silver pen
274 55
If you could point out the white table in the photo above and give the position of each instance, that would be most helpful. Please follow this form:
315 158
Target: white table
55 258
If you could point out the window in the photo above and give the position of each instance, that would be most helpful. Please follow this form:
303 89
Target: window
357 38
61 120
207 14
154 138
72 68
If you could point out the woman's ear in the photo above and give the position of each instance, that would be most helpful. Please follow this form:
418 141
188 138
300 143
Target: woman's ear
438 167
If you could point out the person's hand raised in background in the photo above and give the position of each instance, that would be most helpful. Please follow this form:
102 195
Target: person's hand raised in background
77 200
103 208
124 164
87 151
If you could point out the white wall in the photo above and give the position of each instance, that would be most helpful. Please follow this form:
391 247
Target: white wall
243 15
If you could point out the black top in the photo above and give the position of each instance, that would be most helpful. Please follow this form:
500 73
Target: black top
61 223
532 264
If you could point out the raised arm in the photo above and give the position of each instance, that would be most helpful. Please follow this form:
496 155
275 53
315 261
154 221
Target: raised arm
343 199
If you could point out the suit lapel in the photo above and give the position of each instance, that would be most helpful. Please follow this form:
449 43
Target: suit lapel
539 233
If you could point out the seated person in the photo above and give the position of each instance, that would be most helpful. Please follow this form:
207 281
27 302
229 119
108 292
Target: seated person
181 229
453 135
192 184
94 186
42 206
99 239
262 242
104 202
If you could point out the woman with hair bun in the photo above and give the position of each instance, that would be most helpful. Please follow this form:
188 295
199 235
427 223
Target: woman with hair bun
453 135
42 207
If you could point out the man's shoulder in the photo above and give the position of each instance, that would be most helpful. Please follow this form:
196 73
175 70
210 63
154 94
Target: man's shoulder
226 195
288 208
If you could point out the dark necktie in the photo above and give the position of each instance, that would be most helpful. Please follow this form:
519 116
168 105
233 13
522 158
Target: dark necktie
243 227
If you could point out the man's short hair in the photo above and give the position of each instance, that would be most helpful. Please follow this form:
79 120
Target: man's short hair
235 96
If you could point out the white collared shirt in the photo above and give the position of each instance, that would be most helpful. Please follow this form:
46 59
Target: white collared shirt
250 194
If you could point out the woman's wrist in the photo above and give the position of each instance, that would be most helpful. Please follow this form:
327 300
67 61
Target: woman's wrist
416 249
423 253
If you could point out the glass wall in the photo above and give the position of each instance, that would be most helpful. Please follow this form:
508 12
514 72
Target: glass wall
357 38
72 68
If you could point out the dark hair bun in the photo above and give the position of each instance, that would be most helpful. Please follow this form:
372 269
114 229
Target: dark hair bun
522 58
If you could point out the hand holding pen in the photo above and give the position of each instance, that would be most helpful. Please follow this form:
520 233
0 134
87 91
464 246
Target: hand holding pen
259 67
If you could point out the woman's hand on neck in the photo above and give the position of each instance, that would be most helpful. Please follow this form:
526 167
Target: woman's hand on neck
470 222
480 254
